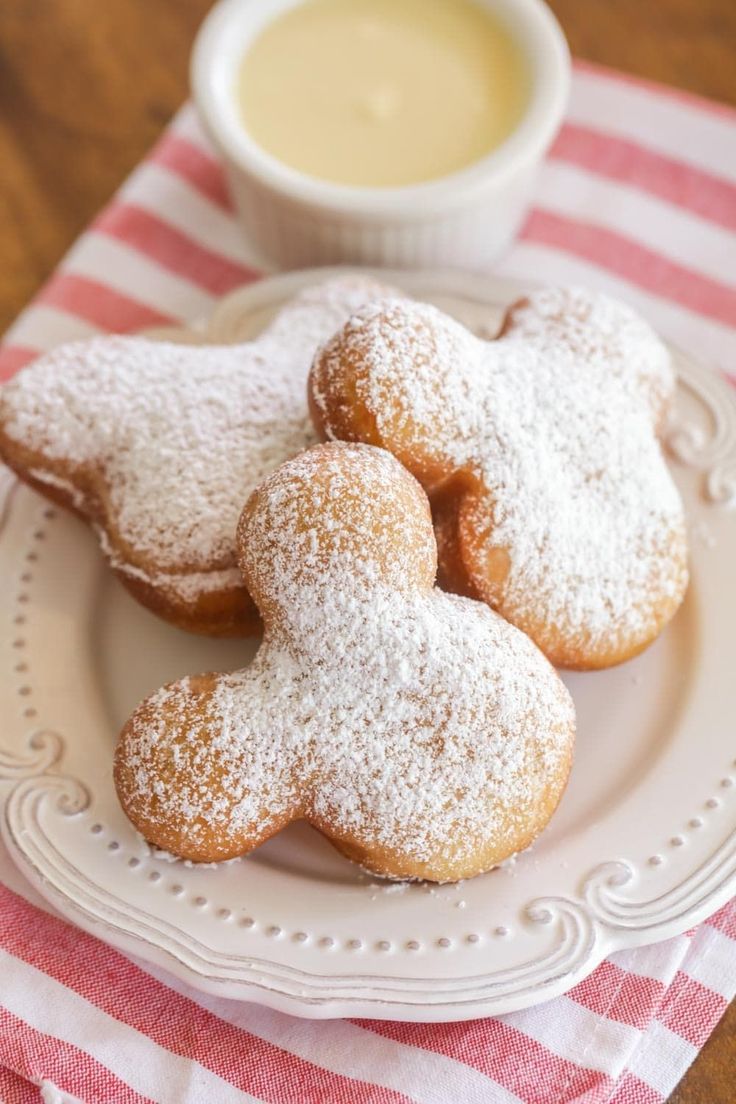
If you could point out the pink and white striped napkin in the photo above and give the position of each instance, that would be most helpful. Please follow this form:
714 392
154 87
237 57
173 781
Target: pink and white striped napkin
638 197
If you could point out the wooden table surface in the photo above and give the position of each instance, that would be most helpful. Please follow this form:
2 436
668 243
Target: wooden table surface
87 85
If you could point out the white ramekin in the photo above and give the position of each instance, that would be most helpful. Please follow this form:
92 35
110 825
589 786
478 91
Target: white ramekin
464 220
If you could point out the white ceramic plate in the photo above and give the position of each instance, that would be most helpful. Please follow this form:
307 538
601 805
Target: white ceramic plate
642 847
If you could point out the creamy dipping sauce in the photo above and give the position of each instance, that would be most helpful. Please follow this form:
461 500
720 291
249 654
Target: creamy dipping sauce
382 93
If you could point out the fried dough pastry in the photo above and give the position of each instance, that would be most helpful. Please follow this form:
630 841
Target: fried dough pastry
539 450
419 731
157 445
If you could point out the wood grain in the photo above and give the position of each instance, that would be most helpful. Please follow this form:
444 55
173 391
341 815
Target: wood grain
86 86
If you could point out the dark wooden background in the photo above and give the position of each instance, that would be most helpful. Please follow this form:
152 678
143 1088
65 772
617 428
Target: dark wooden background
87 85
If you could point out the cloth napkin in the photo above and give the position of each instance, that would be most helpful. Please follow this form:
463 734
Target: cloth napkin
638 197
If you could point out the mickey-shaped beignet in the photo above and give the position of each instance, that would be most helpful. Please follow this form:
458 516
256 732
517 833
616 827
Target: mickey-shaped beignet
419 731
551 497
158 445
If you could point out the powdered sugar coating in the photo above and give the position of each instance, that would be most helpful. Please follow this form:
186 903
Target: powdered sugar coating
419 730
552 428
166 441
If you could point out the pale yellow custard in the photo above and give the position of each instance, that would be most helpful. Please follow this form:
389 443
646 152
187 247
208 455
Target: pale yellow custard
382 93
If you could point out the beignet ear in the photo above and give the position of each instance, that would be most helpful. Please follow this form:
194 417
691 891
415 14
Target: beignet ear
336 515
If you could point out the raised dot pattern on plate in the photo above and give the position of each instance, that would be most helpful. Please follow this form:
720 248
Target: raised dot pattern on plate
20 616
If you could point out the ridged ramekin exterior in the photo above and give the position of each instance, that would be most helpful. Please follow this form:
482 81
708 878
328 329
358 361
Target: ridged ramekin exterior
298 236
